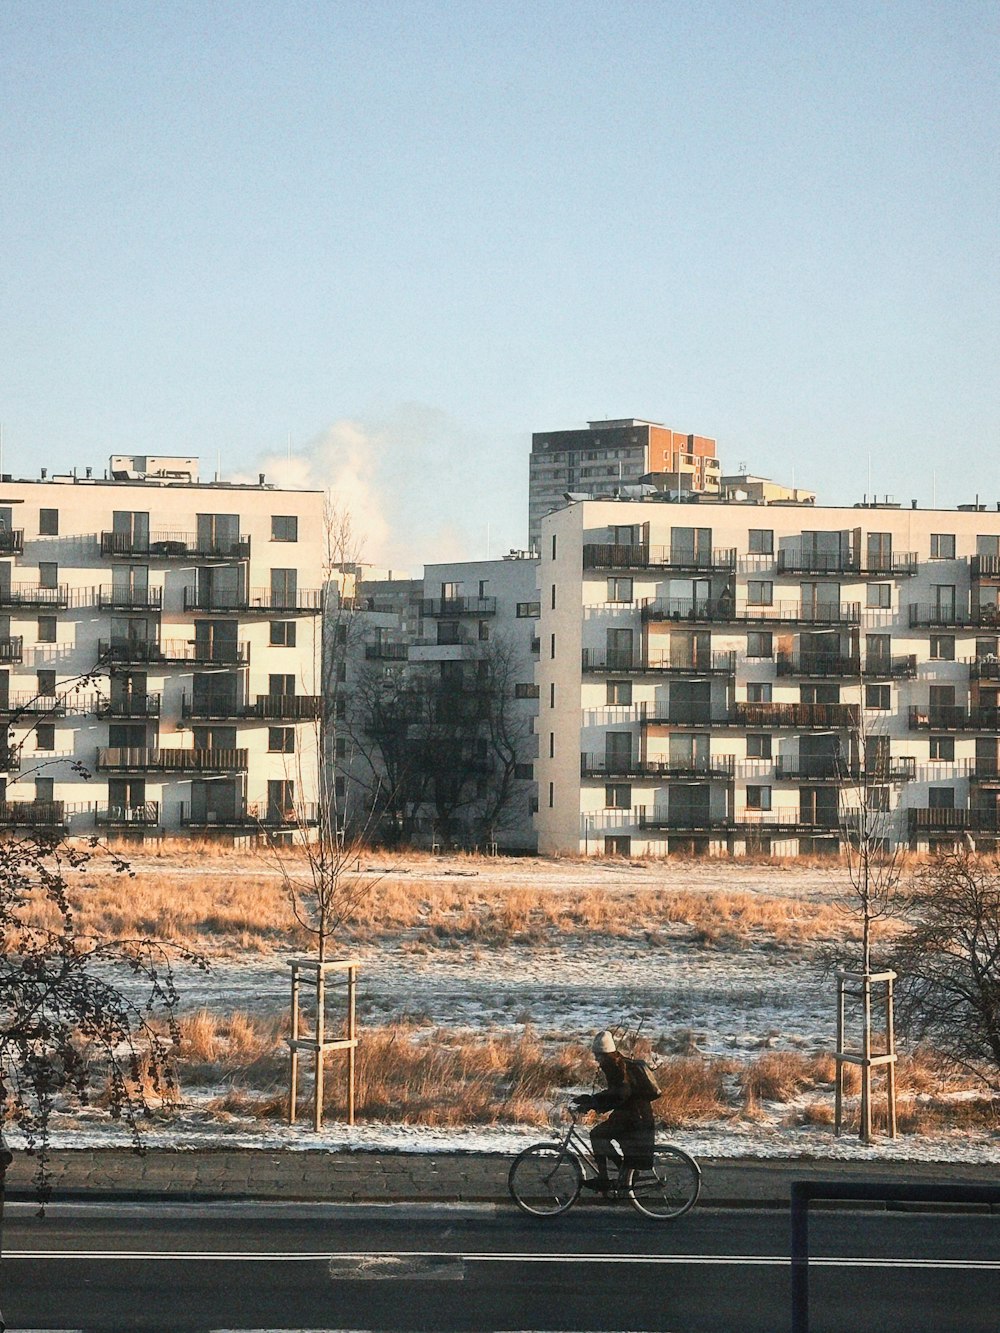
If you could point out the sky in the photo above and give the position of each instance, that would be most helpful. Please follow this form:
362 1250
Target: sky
373 246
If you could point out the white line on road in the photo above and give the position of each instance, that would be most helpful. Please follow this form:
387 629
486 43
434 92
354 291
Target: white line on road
373 1259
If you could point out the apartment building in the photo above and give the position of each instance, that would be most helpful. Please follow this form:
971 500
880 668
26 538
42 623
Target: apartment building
609 455
159 652
727 676
436 743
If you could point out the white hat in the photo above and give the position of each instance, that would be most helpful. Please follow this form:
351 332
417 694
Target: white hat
604 1044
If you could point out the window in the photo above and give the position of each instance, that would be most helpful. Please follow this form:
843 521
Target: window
759 692
340 747
46 682
619 590
529 610
553 596
45 736
761 541
618 796
988 544
943 748
553 546
942 546
283 633
340 710
46 629
281 740
552 785
284 587
880 594
552 647
943 647
48 574
45 789
619 693
341 671
941 798
524 772
552 744
877 696
760 592
760 643
284 528
48 522
525 691
552 694
484 631
758 798
758 746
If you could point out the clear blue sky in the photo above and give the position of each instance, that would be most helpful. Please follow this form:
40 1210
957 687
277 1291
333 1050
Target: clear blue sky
402 236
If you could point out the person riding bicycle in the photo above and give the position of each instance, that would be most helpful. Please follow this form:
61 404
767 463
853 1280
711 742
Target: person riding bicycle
630 1124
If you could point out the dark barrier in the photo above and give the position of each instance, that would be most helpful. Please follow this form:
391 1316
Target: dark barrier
805 1191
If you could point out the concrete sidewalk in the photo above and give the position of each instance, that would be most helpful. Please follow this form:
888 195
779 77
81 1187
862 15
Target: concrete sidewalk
347 1177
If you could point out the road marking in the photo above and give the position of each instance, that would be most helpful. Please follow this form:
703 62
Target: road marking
381 1262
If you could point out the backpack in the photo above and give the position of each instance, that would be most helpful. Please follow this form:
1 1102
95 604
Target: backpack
642 1080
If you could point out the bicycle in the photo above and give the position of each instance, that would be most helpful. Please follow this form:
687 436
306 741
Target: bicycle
545 1179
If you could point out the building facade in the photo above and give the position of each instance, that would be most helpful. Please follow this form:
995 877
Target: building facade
436 744
160 645
728 677
609 455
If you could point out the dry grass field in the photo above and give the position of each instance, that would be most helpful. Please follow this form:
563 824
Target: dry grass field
483 979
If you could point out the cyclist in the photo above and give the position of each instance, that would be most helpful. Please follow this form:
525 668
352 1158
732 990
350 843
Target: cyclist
630 1124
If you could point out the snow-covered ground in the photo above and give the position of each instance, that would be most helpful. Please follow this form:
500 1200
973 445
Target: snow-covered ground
728 1001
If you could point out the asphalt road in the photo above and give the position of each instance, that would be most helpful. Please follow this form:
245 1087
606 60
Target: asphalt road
446 1267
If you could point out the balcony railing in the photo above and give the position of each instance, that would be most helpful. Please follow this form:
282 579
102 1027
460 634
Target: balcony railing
383 651
724 611
266 707
847 562
984 668
818 664
682 821
130 599
903 666
700 664
258 601
128 705
609 555
174 546
926 818
172 652
11 541
831 716
458 606
112 815
26 704
720 767
246 818
34 594
32 814
816 770
139 759
985 567
953 717
11 649
950 617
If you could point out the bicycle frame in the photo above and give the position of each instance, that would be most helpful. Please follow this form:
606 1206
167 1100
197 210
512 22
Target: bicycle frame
573 1143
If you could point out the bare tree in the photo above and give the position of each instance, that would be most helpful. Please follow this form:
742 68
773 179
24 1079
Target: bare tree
949 961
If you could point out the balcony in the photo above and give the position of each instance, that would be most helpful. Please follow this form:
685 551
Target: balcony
129 599
128 706
11 650
111 815
940 617
49 815
985 567
790 821
171 652
724 611
11 541
385 651
922 819
985 773
953 717
684 821
818 664
829 717
174 546
33 595
817 562
879 666
608 555
39 705
458 606
890 566
984 668
139 759
266 708
636 663
718 767
251 818
816 770
258 601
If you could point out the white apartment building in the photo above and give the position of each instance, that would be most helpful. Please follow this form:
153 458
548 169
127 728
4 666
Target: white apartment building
716 676
438 727
159 641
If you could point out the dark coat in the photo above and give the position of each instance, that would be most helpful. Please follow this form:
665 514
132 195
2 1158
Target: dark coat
631 1122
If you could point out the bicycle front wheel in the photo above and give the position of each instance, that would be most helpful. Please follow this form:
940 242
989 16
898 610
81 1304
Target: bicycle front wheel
670 1189
545 1180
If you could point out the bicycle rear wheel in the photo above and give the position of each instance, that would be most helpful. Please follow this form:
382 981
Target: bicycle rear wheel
544 1180
670 1189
